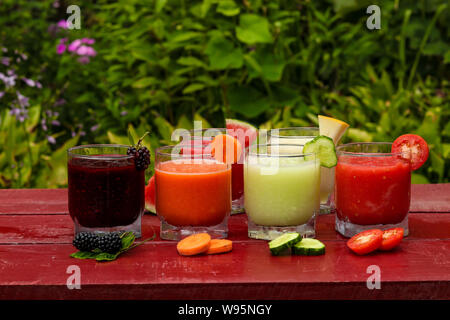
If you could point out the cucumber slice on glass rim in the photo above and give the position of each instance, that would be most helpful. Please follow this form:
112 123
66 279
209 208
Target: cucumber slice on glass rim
308 247
324 149
283 242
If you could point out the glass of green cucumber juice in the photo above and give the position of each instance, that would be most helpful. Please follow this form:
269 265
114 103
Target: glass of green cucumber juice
282 190
302 135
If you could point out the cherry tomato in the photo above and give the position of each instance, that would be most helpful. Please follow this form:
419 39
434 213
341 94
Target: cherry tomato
412 146
366 241
391 238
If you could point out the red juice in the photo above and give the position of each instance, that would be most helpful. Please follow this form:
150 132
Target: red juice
105 191
372 190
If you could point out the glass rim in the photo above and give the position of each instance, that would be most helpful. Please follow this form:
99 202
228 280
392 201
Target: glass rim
293 155
270 132
339 150
94 157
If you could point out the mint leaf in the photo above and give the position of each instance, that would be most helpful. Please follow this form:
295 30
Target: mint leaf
127 240
84 255
104 256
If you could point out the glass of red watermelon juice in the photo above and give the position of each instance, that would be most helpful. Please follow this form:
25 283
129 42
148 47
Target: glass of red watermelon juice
106 191
193 192
372 189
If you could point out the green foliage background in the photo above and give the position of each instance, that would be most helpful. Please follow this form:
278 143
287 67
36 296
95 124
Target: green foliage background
162 64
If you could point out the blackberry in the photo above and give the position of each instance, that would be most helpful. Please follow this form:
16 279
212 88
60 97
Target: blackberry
110 242
141 157
85 241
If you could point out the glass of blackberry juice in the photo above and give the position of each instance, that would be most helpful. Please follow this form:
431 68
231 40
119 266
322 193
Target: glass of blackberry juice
106 190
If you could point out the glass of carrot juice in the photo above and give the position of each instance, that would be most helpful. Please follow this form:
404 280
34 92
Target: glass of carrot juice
193 192
373 188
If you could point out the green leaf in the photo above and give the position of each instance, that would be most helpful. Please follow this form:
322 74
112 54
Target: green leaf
247 101
145 82
116 139
193 87
191 61
159 5
253 29
418 179
222 54
84 255
228 8
270 67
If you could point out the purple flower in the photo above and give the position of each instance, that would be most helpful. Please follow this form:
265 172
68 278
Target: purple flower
61 48
62 24
29 82
51 139
124 113
24 56
56 123
38 85
94 128
22 100
63 40
56 4
20 113
8 81
84 60
74 45
44 125
88 40
5 61
4 49
60 102
1 94
86 51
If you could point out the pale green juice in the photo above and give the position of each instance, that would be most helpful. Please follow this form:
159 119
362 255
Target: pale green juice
281 191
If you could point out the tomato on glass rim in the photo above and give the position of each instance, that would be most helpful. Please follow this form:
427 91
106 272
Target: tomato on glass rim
366 241
391 238
414 146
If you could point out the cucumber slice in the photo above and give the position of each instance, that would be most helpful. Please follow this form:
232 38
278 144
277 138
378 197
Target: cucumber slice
283 242
309 247
324 148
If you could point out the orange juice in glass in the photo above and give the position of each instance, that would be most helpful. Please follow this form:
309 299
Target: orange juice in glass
193 192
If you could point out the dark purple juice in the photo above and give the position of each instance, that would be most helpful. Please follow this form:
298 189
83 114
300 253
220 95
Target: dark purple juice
105 191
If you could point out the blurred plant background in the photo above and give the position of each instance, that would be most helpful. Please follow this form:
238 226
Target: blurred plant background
159 65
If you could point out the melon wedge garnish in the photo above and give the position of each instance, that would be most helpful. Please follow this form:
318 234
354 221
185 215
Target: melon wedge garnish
332 128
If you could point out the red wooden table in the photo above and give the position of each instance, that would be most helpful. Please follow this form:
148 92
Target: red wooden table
35 243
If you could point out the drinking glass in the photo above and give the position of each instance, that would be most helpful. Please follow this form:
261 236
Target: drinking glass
282 187
193 192
106 191
373 188
302 135
204 137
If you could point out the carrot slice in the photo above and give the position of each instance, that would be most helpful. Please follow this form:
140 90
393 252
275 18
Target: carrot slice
226 149
194 244
220 246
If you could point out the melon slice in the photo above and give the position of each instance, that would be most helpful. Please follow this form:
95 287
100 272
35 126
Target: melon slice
244 132
332 128
150 195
